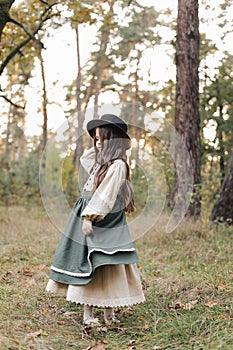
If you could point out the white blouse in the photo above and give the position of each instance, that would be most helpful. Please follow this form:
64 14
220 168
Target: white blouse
104 197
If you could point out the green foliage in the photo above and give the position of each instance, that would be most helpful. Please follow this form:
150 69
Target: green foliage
19 181
123 35
140 186
7 183
216 103
70 180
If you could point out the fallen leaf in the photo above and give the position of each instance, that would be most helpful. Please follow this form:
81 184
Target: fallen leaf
27 272
102 329
99 345
187 306
34 334
156 273
190 305
177 305
40 266
211 303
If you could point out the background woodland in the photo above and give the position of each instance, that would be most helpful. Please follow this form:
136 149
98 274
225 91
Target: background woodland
200 98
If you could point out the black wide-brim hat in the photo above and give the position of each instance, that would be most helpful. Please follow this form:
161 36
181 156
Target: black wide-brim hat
108 120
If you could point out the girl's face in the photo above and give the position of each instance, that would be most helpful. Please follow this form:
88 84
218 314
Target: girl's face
98 142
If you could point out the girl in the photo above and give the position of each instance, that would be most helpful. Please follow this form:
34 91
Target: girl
95 260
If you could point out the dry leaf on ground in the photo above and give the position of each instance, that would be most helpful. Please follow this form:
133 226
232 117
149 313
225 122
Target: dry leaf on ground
212 303
190 305
187 306
34 334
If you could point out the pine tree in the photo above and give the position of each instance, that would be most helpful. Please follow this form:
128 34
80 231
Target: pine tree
187 121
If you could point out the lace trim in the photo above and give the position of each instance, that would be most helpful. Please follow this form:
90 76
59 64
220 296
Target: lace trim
56 287
86 274
106 303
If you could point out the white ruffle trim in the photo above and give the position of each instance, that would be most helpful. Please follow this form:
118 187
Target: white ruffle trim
66 290
107 303
86 274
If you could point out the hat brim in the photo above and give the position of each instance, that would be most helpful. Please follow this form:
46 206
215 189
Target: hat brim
95 123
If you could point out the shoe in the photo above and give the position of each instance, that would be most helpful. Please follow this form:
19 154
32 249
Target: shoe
109 316
88 318
91 321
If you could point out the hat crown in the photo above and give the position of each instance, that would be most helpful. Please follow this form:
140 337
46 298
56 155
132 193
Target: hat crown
113 119
109 120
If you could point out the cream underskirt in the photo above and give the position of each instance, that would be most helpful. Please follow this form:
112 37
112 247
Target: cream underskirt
111 286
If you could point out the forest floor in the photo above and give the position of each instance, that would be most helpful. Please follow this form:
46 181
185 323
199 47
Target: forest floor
187 276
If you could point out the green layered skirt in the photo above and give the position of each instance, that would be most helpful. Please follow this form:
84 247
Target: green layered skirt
78 256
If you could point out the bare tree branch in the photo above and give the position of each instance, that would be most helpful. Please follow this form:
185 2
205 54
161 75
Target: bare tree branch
44 18
44 2
12 54
26 31
12 103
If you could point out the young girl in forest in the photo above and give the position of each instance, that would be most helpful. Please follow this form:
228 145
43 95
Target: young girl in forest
95 260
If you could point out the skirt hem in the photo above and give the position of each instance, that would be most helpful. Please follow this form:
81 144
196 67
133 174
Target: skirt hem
112 303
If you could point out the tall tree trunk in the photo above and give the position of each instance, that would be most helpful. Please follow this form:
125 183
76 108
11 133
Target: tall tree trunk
44 107
79 146
220 121
8 133
223 209
135 117
80 116
102 57
187 120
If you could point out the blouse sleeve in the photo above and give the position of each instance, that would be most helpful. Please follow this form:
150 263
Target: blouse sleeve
87 160
105 195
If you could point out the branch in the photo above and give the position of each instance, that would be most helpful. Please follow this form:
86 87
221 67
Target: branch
44 2
25 42
27 32
12 54
12 103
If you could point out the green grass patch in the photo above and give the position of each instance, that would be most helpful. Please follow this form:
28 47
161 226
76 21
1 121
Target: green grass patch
187 276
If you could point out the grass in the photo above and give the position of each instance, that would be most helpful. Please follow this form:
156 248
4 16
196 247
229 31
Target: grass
187 276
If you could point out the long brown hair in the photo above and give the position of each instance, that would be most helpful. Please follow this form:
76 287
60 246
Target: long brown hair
114 146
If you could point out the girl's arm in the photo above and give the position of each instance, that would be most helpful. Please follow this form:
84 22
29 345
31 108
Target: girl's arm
87 160
105 195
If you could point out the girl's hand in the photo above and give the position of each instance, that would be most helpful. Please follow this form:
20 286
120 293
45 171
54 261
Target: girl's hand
87 227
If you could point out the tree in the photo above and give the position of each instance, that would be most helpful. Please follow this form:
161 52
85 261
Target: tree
82 14
44 105
217 111
223 209
5 6
187 121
